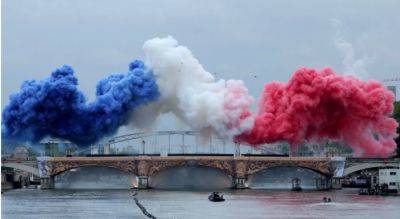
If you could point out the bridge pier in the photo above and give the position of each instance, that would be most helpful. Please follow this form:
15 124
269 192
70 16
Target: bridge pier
324 183
239 183
47 182
143 182
336 183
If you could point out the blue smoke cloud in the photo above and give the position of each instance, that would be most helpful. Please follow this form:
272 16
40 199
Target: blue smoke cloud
55 107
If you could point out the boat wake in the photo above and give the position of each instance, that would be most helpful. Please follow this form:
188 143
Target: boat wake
141 207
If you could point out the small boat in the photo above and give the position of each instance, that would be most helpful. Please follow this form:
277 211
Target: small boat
297 189
327 200
363 192
216 197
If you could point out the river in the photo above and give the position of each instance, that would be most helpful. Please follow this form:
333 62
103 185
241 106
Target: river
67 203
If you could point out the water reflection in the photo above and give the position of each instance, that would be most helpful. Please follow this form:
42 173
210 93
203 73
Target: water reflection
94 177
190 177
183 177
194 204
281 178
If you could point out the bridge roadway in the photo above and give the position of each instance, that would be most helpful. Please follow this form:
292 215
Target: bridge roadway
357 164
29 166
238 168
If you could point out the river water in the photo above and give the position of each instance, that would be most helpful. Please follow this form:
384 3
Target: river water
251 203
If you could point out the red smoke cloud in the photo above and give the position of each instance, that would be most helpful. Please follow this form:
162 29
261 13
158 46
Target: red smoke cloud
314 106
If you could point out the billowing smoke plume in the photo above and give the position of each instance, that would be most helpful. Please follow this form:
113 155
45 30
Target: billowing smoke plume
55 107
314 106
193 94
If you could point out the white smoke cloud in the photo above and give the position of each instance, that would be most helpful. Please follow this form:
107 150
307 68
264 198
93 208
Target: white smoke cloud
192 94
352 65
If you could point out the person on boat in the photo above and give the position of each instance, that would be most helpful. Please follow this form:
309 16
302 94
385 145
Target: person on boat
216 196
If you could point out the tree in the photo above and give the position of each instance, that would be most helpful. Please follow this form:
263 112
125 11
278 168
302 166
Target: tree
396 115
32 153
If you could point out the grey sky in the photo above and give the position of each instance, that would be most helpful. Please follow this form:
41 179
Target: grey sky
235 39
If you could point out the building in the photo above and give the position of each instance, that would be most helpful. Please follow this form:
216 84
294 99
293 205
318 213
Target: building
94 150
71 150
100 148
21 153
58 147
106 149
129 149
51 147
391 177
393 84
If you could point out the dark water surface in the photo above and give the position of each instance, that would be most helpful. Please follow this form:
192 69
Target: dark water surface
194 204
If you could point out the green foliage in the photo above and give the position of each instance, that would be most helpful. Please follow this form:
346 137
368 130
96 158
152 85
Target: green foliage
32 152
285 148
396 115
71 150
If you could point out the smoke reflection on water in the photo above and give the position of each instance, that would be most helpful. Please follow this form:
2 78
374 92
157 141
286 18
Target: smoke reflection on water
93 177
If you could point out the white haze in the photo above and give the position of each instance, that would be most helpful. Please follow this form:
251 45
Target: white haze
193 94
352 65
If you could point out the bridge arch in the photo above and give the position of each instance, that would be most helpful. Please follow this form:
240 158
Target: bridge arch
190 177
282 176
258 170
321 166
221 165
94 177
22 167
60 167
365 166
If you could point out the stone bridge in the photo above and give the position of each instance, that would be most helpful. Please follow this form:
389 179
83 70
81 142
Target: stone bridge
357 164
238 168
29 166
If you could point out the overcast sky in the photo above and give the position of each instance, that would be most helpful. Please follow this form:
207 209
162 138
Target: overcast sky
234 39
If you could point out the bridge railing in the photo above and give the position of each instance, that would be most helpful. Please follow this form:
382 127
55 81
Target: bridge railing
371 160
164 143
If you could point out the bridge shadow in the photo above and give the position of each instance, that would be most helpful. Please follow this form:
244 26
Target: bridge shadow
94 177
281 177
190 178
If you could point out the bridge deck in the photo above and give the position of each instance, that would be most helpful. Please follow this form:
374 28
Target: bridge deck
188 158
148 165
